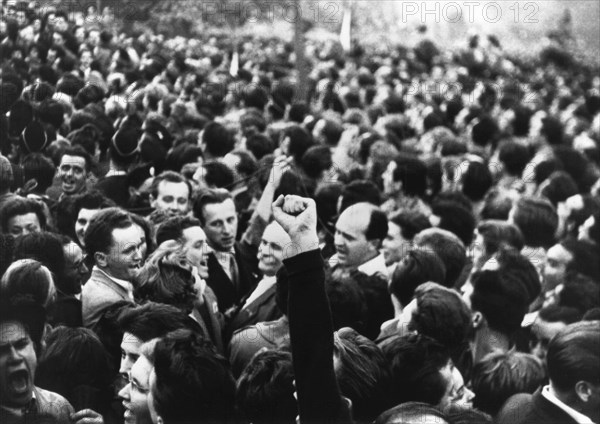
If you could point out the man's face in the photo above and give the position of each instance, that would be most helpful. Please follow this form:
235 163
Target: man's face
456 392
351 244
220 225
75 269
83 221
20 225
73 174
135 393
394 245
130 352
195 249
557 260
173 197
18 362
272 248
541 334
124 258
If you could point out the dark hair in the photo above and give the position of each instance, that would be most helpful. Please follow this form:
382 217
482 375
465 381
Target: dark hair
193 382
24 310
496 233
359 191
172 228
246 165
346 300
38 167
585 258
362 374
218 175
560 187
580 292
442 315
217 138
573 355
79 151
415 362
167 278
378 225
500 299
151 320
21 206
29 279
448 247
74 358
513 262
415 268
181 155
316 160
265 390
514 156
476 181
209 197
497 204
557 313
456 219
412 173
259 145
43 247
410 222
503 374
537 219
98 236
169 176
300 141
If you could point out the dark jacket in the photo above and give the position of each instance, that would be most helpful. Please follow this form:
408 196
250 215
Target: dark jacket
531 409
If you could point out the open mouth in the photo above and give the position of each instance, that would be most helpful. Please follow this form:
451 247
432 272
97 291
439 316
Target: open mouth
18 381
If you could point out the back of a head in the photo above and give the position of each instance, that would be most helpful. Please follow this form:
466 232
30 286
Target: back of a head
172 228
416 268
521 270
503 374
152 320
346 301
442 315
585 258
359 191
456 219
265 390
496 233
217 139
501 299
38 167
448 247
412 173
537 219
300 141
476 181
415 362
514 156
574 356
44 247
28 278
412 413
580 292
193 382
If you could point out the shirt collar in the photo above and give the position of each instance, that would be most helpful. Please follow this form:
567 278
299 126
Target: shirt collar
374 266
122 283
550 396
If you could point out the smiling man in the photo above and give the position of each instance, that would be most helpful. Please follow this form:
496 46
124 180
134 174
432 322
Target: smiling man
170 192
117 247
73 171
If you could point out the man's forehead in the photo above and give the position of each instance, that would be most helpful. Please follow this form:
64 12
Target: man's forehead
353 220
219 210
72 160
171 187
131 343
11 331
194 233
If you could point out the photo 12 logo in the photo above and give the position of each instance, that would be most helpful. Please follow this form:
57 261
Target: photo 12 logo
469 12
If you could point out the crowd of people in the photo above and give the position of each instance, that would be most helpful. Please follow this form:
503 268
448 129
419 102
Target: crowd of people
187 239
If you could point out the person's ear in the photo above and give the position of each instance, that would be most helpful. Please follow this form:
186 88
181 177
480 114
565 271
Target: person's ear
101 259
584 390
478 320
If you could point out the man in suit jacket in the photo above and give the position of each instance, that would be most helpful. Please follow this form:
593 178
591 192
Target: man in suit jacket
260 305
116 245
573 395
231 273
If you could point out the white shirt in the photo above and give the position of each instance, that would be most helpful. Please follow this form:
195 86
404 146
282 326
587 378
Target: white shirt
374 266
123 283
265 284
548 393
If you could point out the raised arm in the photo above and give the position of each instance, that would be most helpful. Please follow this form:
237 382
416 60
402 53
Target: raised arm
311 328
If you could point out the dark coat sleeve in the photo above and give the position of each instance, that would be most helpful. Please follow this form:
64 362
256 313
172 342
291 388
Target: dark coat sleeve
311 334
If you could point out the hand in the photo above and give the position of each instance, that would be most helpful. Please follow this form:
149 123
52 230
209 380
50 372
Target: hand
298 217
280 165
87 416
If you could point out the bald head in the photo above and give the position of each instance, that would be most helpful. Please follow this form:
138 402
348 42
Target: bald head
360 230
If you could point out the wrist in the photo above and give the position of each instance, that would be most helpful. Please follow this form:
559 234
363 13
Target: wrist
302 243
